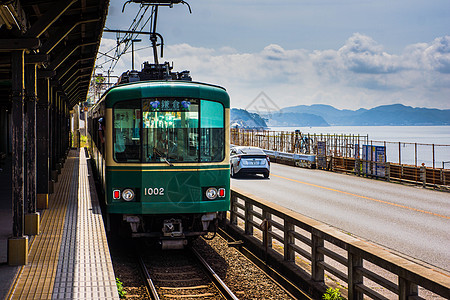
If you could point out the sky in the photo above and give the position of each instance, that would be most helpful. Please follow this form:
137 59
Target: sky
346 53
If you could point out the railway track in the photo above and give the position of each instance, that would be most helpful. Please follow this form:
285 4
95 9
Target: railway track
180 274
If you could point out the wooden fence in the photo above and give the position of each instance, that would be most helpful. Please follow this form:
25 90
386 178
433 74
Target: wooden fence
424 176
316 255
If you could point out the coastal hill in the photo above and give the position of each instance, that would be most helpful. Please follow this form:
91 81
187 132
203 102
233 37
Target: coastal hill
291 119
325 115
385 115
244 119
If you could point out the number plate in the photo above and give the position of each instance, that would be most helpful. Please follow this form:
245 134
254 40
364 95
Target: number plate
154 191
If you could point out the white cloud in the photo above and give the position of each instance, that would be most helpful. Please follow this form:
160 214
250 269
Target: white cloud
358 74
361 54
437 55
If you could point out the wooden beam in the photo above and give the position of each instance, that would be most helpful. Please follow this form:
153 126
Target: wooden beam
17 97
81 85
36 58
72 63
19 44
66 54
76 74
42 136
64 31
81 71
5 60
46 74
49 17
31 98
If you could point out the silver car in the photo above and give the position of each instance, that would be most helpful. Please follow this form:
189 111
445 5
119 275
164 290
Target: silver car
249 160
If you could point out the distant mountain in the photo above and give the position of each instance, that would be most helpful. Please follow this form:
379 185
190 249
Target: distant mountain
287 119
330 114
395 114
399 114
243 119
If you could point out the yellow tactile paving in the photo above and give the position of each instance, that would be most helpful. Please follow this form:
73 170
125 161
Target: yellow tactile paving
70 258
44 252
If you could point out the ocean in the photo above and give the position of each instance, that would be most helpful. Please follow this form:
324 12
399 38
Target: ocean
406 152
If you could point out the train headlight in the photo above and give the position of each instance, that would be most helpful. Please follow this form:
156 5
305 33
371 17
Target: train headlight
211 193
128 195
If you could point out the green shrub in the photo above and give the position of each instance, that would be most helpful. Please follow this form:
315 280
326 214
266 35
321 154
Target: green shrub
120 290
332 294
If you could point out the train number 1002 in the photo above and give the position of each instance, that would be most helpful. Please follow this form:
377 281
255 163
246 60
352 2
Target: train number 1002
154 191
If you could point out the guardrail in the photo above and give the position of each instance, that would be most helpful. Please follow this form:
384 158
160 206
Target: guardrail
315 254
412 174
339 154
300 160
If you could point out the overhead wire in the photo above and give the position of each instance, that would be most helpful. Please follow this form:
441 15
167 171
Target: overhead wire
124 43
128 37
114 58
126 40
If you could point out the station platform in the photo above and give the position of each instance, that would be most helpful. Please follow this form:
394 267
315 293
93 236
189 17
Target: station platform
70 258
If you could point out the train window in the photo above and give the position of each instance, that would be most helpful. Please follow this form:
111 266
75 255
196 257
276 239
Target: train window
127 142
212 131
170 130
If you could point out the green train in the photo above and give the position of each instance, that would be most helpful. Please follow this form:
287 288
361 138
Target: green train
161 150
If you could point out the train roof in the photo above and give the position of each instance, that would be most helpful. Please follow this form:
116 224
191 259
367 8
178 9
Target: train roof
149 89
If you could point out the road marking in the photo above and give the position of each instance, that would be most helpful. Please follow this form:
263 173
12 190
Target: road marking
364 197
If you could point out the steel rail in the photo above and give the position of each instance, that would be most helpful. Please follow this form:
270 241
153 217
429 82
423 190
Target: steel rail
223 288
218 283
148 281
287 285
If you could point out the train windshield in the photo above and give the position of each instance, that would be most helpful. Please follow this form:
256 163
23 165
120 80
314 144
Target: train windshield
176 130
127 142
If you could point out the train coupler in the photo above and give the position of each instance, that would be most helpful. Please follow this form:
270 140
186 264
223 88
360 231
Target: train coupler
172 228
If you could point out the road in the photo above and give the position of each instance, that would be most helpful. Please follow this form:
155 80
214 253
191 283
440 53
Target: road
407 219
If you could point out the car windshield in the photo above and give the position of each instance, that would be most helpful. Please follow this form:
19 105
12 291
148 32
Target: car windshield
173 130
252 151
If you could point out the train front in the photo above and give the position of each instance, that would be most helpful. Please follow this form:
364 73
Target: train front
167 172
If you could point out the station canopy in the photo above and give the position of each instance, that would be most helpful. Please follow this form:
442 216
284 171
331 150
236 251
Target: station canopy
61 37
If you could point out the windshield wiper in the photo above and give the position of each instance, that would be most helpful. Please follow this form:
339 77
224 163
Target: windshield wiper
162 156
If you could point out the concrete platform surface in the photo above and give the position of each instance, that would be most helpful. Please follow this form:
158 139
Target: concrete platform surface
70 258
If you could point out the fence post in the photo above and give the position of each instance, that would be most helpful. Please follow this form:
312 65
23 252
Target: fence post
354 262
268 239
248 218
406 289
433 157
289 254
423 175
388 171
317 272
358 166
234 208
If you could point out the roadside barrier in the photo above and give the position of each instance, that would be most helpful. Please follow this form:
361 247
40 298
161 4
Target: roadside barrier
316 255
337 153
